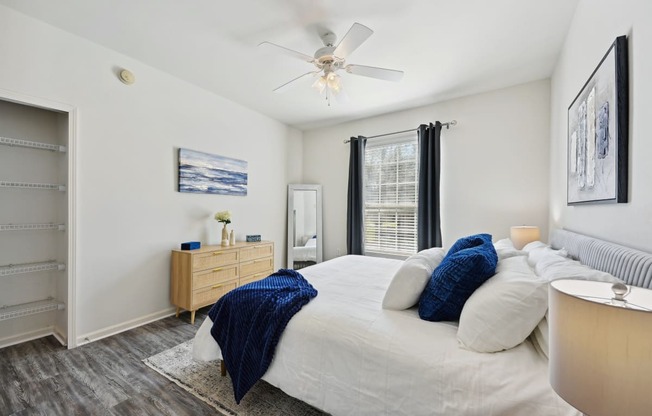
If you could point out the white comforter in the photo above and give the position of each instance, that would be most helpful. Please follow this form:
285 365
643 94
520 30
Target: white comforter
344 354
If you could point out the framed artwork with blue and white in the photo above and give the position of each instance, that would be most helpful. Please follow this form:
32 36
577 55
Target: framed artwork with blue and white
598 132
206 173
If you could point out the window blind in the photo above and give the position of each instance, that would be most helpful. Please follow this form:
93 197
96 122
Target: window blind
390 211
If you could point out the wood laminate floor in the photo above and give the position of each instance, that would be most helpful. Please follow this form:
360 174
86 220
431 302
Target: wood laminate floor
105 377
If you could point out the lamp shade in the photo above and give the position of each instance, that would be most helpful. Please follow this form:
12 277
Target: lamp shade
523 234
601 354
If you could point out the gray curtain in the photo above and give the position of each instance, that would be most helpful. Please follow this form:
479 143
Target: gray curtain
429 222
355 203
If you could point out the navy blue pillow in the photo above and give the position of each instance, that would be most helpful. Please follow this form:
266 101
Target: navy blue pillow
468 242
469 263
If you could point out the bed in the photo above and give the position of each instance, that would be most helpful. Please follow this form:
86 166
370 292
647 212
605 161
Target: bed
344 354
307 252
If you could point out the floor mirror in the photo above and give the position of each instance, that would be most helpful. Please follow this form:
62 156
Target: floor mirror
305 237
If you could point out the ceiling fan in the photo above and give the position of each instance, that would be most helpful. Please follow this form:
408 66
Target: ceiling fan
331 58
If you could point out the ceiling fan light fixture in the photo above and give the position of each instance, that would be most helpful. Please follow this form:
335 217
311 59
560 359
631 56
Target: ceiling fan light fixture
333 81
330 82
320 84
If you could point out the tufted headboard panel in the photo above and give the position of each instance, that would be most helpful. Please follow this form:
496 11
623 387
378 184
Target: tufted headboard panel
633 266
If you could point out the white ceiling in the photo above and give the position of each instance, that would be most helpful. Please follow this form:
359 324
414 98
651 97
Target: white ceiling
447 48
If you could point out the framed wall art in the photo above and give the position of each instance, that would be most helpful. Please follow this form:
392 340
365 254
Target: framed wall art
206 173
598 132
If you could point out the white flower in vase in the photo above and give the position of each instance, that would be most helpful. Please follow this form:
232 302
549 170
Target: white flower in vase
225 218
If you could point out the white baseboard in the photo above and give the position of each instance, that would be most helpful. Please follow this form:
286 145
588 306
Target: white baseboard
26 336
124 326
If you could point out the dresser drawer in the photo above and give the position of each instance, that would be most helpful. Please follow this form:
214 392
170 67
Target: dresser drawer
256 252
210 294
256 266
214 259
254 277
214 276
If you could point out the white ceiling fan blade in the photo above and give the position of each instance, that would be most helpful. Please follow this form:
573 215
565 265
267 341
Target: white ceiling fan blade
353 38
285 86
299 55
375 72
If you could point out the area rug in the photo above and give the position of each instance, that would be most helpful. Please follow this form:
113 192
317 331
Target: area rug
203 380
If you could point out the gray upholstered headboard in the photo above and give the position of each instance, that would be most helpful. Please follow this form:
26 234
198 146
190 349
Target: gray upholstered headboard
633 266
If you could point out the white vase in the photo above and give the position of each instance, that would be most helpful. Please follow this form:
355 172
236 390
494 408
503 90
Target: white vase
225 236
232 238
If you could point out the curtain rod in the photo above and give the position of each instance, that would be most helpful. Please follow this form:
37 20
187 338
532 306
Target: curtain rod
448 125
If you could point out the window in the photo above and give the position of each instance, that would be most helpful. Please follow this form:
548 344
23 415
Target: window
390 198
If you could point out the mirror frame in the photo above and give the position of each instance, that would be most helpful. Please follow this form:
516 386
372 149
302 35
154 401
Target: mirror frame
290 233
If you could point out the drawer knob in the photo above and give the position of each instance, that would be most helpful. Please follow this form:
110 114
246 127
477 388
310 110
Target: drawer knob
217 253
217 270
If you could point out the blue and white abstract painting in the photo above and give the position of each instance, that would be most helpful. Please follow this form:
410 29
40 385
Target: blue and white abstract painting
592 168
205 173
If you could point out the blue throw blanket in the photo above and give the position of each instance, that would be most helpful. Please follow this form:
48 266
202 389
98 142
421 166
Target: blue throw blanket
249 320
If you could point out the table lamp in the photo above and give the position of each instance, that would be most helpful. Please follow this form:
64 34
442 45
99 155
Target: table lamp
601 346
523 234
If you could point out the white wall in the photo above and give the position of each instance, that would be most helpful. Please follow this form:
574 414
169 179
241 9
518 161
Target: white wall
129 212
595 26
494 162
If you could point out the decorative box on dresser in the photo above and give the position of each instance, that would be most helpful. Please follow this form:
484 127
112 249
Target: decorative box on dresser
200 277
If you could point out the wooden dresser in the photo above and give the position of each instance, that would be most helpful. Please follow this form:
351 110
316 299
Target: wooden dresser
200 277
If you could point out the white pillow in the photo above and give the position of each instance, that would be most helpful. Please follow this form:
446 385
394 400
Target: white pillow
552 267
538 252
505 249
410 280
534 245
502 312
540 336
